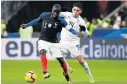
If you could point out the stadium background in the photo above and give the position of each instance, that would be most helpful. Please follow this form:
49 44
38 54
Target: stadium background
105 51
91 9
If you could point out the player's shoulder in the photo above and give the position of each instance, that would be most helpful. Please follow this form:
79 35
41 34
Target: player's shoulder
45 14
69 13
80 18
66 13
60 18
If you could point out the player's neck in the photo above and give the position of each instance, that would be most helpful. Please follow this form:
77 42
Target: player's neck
75 16
53 17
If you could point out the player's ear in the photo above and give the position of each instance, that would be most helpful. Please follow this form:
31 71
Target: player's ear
80 11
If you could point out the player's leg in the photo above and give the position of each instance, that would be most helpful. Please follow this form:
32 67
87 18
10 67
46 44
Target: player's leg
85 65
64 67
44 62
76 52
68 67
43 47
63 48
56 52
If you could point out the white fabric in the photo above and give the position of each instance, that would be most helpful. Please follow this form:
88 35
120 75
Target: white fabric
74 22
52 48
71 46
70 42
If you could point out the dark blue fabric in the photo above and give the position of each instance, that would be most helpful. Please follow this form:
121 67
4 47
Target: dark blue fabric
58 36
63 22
36 21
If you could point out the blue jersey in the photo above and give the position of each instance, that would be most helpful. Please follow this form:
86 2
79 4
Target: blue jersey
49 26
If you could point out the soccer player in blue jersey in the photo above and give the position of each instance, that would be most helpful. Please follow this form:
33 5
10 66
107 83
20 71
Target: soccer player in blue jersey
52 24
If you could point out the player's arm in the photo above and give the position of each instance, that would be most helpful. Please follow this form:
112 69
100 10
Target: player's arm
83 27
34 22
58 36
69 28
64 14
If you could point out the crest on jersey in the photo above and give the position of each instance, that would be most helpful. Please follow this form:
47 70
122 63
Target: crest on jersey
71 23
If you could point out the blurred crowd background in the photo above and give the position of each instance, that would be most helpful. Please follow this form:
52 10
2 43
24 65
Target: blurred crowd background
96 15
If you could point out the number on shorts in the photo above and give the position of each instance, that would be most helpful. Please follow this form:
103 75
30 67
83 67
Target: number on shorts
78 46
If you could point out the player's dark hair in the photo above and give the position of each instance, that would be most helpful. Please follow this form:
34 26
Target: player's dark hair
57 7
79 5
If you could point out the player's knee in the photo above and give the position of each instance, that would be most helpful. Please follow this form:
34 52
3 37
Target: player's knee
43 51
81 62
80 59
61 60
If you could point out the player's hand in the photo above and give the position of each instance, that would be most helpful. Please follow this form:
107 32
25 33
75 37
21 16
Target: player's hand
23 26
80 35
82 28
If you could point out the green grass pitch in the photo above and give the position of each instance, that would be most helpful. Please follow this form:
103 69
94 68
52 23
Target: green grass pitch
104 71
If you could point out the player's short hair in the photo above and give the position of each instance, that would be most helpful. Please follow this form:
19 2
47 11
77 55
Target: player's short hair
57 6
79 5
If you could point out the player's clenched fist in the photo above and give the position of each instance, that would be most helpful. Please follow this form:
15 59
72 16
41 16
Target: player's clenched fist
82 28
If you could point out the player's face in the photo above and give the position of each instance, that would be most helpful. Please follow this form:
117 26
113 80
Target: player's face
76 11
55 13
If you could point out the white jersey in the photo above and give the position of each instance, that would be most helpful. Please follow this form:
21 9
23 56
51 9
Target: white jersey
74 22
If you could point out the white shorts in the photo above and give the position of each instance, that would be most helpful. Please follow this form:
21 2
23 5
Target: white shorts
52 48
71 46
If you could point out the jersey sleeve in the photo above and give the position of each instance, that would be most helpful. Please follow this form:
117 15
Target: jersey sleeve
36 21
66 25
69 27
64 14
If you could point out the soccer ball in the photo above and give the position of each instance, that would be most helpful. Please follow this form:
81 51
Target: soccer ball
30 76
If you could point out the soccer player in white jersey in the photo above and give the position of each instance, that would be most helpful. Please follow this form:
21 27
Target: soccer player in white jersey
70 42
